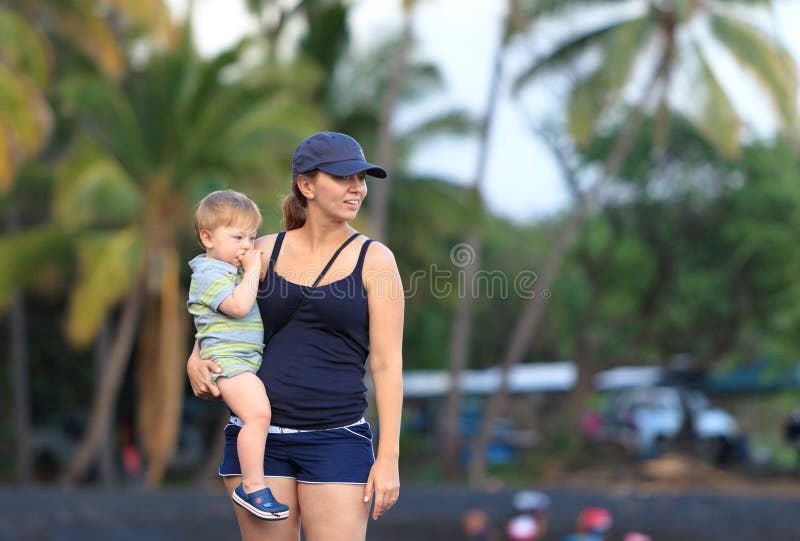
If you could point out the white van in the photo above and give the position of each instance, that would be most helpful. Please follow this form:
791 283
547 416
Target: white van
644 417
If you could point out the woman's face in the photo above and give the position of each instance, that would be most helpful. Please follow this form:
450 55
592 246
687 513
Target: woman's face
339 197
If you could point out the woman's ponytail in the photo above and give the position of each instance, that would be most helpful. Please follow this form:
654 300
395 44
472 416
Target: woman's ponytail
295 209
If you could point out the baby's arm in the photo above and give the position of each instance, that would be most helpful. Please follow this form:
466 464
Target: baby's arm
240 302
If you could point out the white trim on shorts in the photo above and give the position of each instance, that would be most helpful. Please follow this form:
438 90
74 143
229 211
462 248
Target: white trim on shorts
234 420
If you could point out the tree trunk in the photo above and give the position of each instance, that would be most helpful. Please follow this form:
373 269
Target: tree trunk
108 475
20 387
161 370
528 323
461 330
460 339
107 389
385 155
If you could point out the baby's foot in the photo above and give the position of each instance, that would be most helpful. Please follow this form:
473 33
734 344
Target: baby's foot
261 503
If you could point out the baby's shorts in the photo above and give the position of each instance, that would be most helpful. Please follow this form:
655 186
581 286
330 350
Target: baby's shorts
232 366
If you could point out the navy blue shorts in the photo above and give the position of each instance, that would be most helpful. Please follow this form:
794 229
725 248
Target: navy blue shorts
333 455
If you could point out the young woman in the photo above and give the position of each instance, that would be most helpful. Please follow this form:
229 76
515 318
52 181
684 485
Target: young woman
320 459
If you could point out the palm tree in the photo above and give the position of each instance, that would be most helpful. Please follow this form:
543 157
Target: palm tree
149 149
26 72
461 330
666 32
385 152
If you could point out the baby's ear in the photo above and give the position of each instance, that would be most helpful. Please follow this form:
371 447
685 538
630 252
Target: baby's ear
206 238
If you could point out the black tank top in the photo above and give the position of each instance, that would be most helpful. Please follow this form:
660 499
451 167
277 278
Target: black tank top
313 367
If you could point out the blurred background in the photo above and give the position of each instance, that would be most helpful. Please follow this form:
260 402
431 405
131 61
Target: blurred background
592 204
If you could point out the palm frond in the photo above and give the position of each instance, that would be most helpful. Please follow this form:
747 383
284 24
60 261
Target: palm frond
585 106
93 190
25 122
566 53
23 49
550 8
152 16
29 255
92 35
713 114
453 122
110 263
108 118
768 61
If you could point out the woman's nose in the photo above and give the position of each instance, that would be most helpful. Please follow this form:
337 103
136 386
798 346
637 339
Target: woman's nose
357 183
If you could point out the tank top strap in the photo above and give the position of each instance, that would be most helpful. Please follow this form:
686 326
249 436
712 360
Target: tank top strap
276 249
361 256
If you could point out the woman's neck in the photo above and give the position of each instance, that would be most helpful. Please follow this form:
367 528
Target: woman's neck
319 237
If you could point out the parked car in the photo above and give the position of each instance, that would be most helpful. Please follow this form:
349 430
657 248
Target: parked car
644 418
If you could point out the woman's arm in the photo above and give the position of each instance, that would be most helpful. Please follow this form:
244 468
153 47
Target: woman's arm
386 307
199 372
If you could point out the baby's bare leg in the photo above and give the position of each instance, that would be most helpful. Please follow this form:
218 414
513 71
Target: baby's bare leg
246 396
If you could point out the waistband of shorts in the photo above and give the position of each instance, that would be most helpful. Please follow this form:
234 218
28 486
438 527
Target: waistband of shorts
234 420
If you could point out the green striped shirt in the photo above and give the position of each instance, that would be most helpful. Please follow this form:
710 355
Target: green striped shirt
222 338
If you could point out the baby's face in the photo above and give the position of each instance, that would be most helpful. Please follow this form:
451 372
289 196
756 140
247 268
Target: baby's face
228 243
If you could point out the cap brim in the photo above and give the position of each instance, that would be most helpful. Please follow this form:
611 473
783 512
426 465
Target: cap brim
351 167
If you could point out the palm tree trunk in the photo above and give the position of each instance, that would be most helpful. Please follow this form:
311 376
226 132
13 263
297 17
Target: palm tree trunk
20 388
379 191
102 352
18 330
107 389
528 323
161 372
460 340
461 330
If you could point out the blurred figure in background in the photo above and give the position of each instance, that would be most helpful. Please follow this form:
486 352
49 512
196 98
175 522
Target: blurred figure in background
636 536
529 520
478 526
592 524
791 432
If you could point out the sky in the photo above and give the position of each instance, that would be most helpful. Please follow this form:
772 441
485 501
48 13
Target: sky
523 182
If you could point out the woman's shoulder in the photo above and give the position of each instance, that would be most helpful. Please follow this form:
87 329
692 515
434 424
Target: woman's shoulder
266 242
378 257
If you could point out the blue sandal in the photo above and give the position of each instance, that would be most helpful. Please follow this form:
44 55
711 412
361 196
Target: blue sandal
260 503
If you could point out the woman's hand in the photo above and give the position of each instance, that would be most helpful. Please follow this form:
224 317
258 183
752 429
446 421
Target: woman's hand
384 480
199 372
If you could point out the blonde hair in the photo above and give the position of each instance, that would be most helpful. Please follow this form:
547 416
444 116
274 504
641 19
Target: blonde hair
223 208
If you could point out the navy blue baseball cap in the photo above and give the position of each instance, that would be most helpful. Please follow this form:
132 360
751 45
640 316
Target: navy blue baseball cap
335 153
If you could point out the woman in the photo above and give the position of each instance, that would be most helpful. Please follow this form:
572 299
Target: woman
319 458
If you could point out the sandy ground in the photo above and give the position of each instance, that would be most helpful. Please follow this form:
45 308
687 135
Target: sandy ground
423 513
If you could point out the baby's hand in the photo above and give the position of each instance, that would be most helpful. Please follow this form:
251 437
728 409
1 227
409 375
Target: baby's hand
251 259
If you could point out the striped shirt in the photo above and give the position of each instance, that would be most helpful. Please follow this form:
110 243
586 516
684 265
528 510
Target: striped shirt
222 338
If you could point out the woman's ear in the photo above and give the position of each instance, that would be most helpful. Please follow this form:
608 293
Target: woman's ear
207 239
306 186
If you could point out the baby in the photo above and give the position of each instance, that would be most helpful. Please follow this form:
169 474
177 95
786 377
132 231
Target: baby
222 299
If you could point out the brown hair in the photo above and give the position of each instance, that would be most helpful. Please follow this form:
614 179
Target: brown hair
223 208
295 205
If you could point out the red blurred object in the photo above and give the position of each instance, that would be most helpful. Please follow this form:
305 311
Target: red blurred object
131 461
593 520
636 536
